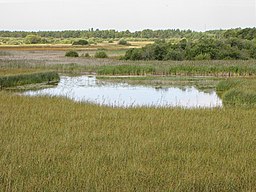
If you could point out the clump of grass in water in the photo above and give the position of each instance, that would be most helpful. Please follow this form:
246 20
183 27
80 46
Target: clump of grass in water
238 92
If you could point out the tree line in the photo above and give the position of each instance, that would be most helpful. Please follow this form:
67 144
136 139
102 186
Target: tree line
147 33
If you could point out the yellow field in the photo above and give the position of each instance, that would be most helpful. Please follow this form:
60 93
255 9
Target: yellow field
65 47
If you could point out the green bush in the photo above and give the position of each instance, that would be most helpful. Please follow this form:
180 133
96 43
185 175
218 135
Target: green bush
201 56
80 42
85 55
71 54
123 42
33 39
133 54
101 54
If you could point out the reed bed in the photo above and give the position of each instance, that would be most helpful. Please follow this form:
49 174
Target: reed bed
28 78
112 66
54 144
238 92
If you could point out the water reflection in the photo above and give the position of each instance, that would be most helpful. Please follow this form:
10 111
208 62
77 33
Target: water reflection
84 88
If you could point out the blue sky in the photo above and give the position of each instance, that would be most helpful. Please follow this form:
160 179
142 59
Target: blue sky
134 15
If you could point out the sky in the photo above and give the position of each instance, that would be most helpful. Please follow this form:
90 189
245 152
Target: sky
133 15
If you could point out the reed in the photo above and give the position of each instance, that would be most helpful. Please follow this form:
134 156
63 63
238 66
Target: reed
30 78
238 92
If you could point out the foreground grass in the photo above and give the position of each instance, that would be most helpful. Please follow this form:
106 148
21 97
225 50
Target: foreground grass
53 144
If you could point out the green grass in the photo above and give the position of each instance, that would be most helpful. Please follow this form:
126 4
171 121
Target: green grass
54 144
202 83
120 67
239 92
125 70
182 68
29 78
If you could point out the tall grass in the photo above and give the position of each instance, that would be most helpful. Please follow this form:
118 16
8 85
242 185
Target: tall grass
120 67
179 69
239 92
30 78
125 70
53 144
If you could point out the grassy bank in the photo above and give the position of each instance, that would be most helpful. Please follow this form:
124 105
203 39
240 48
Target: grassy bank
239 92
120 67
53 144
202 83
10 79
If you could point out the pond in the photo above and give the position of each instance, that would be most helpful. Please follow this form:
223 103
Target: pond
90 89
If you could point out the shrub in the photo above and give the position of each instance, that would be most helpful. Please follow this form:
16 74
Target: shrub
85 55
123 42
176 55
71 54
101 54
32 39
203 56
133 54
81 42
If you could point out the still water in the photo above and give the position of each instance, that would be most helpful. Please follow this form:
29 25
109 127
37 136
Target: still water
89 89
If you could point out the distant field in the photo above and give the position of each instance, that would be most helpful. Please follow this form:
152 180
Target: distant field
56 60
65 47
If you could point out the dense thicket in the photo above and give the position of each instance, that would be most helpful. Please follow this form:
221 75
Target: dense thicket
201 49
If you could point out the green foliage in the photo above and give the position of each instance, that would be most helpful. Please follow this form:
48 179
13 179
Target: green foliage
240 97
85 55
33 39
101 54
203 56
125 70
227 84
238 92
72 54
133 54
176 55
201 49
23 79
80 42
123 42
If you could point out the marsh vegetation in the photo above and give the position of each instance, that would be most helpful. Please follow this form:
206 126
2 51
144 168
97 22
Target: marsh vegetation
51 143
